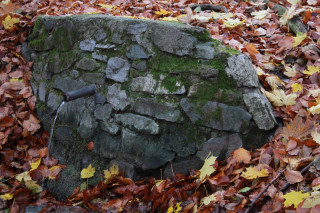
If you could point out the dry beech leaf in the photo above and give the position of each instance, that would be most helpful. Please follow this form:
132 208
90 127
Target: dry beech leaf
279 98
242 155
312 200
297 129
293 176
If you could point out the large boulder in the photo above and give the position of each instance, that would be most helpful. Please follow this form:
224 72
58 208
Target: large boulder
167 95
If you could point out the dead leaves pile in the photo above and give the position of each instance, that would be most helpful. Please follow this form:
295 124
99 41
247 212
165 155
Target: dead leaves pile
287 65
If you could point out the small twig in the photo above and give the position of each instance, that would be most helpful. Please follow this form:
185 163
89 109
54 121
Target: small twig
265 189
303 172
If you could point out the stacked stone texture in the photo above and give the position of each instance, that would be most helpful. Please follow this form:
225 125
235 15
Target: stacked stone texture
166 93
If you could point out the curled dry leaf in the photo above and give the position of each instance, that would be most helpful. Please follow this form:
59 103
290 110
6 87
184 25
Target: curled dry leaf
293 176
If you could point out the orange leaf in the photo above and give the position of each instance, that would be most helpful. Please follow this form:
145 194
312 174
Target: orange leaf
297 129
91 145
293 176
242 155
251 49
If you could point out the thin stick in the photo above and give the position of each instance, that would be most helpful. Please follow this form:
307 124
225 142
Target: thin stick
265 189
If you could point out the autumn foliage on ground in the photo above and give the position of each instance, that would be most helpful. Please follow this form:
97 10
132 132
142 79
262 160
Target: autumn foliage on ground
283 175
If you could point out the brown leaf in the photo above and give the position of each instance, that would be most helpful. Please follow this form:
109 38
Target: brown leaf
242 155
293 176
298 128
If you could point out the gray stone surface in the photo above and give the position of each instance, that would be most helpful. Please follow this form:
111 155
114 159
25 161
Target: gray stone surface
220 147
137 28
260 108
172 40
110 127
100 57
150 85
105 46
54 101
117 98
59 62
87 64
103 112
87 125
99 98
240 68
100 35
143 152
66 84
182 166
140 65
118 69
94 78
137 52
204 51
148 106
42 91
87 45
138 123
107 145
217 115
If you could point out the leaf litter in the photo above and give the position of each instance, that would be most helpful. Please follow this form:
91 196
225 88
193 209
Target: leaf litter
290 60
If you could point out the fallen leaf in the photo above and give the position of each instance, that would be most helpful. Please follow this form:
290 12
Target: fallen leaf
312 200
315 109
242 155
293 176
288 15
162 12
208 199
279 98
6 196
311 70
254 172
314 93
290 72
297 128
299 38
35 165
114 170
88 172
207 168
296 87
294 198
260 14
243 190
8 22
91 145
232 23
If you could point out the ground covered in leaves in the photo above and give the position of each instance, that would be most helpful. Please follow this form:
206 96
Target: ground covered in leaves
281 176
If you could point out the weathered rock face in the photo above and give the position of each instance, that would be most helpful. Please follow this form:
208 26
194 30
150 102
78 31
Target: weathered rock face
166 93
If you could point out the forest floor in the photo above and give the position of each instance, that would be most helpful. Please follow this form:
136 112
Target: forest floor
283 39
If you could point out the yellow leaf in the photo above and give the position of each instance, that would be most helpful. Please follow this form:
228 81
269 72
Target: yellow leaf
23 176
231 23
260 14
293 1
107 6
9 22
294 198
35 165
290 72
314 93
31 184
169 18
221 15
5 2
279 98
311 70
274 81
162 12
6 196
208 199
296 87
315 109
312 200
207 169
170 209
254 172
299 38
178 207
114 170
88 172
